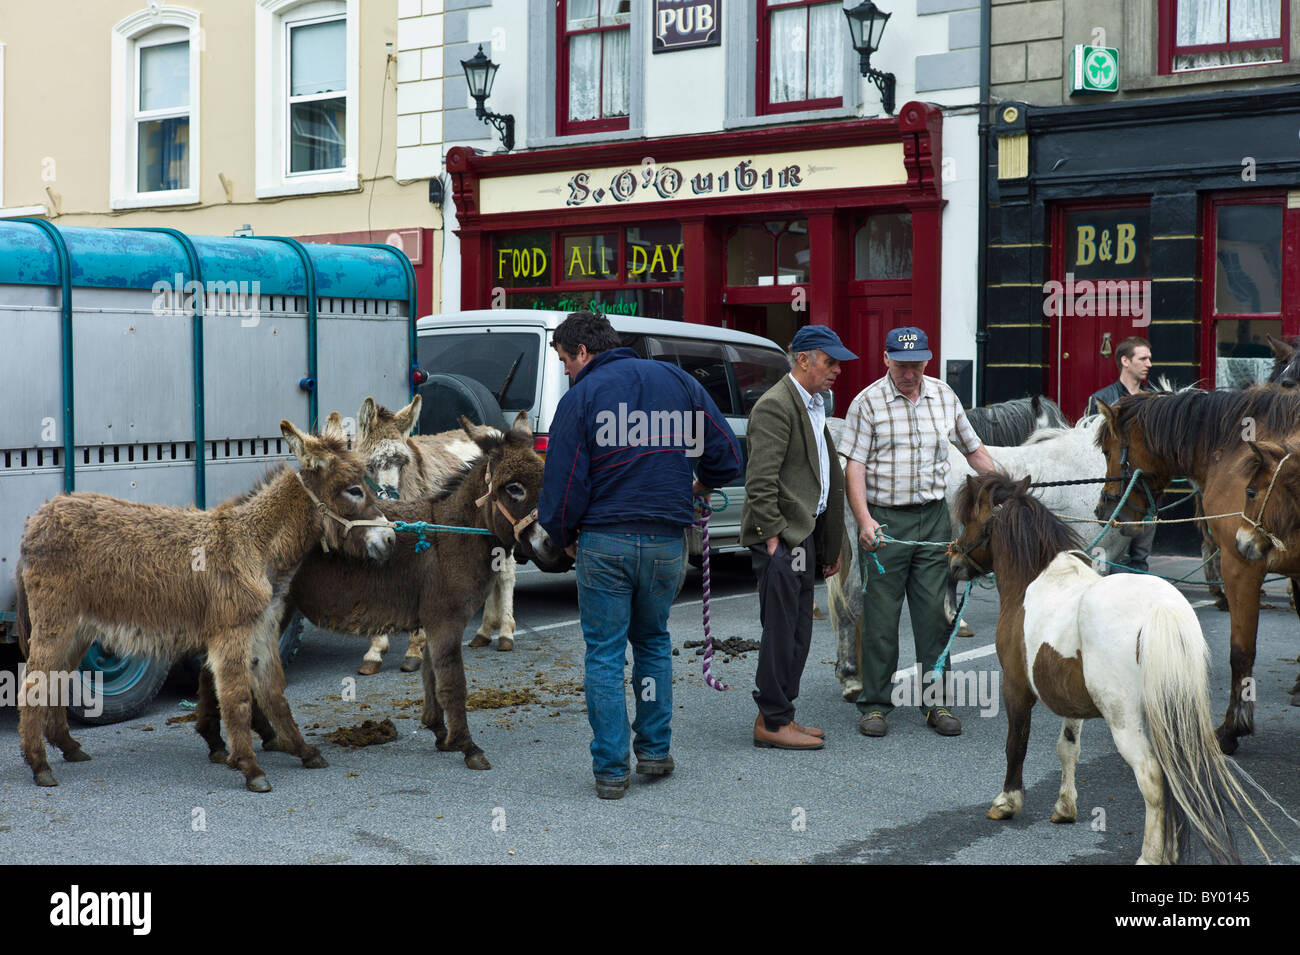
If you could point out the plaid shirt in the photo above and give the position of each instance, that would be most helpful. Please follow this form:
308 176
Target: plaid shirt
905 446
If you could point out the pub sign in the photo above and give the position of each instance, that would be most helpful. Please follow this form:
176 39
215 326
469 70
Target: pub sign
686 24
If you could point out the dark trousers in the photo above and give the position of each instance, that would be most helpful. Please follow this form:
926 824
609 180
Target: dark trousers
785 607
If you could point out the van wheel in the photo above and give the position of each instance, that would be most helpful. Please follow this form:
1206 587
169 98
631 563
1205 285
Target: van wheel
129 685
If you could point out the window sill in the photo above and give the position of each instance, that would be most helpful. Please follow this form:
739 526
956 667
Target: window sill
159 200
613 136
1225 74
313 185
12 212
778 119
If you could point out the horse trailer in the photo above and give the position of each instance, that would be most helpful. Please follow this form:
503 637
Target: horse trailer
154 366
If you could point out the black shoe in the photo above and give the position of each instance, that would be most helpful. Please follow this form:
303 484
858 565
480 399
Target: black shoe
611 788
944 723
654 767
873 724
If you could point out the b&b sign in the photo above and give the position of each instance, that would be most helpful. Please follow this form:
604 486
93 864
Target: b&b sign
686 24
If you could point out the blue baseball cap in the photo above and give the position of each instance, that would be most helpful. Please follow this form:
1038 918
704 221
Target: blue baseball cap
812 337
907 344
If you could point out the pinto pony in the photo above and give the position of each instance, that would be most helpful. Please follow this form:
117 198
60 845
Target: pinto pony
1127 648
167 581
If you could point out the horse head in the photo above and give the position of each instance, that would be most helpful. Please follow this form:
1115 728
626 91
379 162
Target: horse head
1286 364
1270 473
381 441
514 486
978 501
1122 439
333 478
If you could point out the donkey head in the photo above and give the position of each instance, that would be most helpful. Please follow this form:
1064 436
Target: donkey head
333 478
1270 523
381 441
1122 440
514 478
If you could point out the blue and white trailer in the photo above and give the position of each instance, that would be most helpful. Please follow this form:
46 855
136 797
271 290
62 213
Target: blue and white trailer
156 366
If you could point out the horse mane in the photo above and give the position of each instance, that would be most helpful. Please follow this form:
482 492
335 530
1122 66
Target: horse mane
1187 427
1022 531
1010 423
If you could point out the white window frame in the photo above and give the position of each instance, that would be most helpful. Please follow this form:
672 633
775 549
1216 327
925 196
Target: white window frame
129 35
271 97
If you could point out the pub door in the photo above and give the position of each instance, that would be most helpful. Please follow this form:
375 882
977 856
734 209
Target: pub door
870 317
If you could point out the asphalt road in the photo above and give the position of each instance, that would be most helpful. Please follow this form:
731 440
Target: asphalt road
150 796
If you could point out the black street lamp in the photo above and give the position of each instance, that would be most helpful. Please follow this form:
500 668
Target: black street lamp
479 74
866 24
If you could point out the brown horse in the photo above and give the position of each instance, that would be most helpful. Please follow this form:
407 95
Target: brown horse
1126 647
166 581
439 588
403 466
1202 435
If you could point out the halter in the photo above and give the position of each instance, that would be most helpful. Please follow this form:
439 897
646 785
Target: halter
1258 525
957 550
519 526
379 491
326 512
1111 500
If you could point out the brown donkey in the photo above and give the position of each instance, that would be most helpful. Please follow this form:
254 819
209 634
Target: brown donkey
402 466
166 581
440 588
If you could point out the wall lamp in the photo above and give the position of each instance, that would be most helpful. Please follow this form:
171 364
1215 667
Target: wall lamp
866 24
479 74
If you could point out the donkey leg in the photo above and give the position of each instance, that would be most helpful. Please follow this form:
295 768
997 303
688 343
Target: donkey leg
431 717
1243 587
228 658
449 672
847 628
491 615
268 683
503 584
1132 744
208 722
1019 703
1067 748
1295 690
374 657
414 650
33 699
56 716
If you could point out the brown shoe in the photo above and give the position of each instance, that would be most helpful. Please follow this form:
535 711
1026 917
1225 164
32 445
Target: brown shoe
944 723
808 730
787 737
873 724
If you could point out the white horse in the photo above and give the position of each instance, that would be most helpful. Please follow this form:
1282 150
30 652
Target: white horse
1053 454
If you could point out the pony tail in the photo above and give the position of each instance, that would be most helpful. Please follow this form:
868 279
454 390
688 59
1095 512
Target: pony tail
1199 788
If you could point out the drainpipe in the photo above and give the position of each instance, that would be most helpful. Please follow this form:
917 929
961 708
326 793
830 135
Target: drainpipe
981 261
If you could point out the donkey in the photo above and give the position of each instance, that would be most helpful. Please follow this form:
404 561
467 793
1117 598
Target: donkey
1127 648
439 588
404 466
166 581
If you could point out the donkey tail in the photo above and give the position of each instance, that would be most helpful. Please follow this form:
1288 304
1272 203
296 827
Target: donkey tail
1200 791
23 622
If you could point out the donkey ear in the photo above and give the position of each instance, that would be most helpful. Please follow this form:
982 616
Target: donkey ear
485 436
366 417
303 446
334 427
407 418
521 424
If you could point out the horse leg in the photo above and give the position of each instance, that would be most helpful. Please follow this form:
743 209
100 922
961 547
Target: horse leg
414 650
267 677
950 613
1019 703
847 626
449 675
228 658
1067 748
1136 750
1242 584
374 657
432 715
1295 690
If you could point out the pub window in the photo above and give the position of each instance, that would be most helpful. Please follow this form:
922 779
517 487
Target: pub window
768 253
1208 34
882 247
800 45
593 61
1247 293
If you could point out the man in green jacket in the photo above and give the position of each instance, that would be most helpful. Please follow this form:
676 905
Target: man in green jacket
794 510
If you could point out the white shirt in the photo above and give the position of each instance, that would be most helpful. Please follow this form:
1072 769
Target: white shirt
817 415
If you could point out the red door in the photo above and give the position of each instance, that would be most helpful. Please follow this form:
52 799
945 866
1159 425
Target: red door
870 318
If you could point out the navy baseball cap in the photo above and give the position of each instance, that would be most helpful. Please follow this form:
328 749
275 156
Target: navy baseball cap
907 344
812 337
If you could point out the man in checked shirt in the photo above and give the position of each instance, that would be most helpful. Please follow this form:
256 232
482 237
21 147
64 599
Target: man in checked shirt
895 438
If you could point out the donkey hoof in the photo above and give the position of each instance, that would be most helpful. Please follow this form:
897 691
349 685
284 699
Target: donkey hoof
410 664
1059 817
505 643
275 745
45 778
258 784
316 761
477 761
76 756
480 641
369 667
999 811
219 755
965 630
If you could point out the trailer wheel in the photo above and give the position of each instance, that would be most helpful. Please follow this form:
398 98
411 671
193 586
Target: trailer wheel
129 685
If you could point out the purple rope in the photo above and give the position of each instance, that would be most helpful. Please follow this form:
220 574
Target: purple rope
702 522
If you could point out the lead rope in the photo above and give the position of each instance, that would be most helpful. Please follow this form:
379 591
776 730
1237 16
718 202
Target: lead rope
702 522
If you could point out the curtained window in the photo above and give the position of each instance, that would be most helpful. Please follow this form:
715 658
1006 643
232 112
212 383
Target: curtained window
801 49
317 95
162 116
593 81
1207 34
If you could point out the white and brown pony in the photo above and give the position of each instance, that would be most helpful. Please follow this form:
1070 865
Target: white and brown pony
1127 648
405 466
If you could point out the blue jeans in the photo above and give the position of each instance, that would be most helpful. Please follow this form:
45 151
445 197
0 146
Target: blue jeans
626 586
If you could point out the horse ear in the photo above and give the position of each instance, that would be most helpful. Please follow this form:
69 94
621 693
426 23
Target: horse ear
303 446
1022 486
521 424
1107 412
366 417
407 418
1281 350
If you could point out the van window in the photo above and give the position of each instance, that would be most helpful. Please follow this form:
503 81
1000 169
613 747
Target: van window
756 370
706 361
490 358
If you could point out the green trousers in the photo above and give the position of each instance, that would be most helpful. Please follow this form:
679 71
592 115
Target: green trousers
920 574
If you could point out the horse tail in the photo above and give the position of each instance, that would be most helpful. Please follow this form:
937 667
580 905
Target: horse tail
1200 791
23 621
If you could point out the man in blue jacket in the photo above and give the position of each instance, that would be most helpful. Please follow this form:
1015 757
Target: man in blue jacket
617 494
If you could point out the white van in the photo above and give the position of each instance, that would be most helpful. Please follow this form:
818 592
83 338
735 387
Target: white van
500 361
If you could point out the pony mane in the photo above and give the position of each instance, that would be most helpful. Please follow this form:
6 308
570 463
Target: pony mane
1009 423
1023 531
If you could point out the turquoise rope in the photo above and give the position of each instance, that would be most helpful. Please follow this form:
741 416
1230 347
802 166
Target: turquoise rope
956 625
420 528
